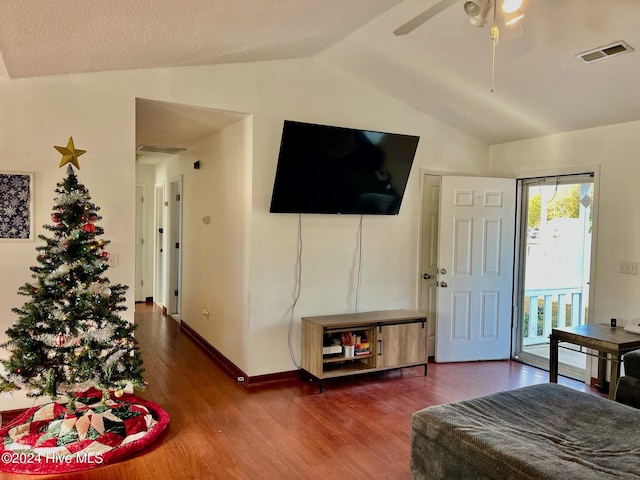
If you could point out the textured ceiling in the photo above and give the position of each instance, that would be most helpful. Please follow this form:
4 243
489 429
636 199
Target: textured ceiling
70 36
443 68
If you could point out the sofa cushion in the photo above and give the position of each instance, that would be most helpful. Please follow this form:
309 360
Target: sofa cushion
545 431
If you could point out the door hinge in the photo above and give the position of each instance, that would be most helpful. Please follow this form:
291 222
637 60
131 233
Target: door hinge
177 245
178 197
142 241
175 293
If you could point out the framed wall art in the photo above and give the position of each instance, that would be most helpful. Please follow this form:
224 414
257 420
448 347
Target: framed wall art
16 205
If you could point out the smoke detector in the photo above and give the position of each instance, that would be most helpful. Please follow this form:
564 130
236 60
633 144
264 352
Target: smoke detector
608 51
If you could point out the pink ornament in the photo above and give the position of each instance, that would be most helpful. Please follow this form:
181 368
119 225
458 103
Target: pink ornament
60 340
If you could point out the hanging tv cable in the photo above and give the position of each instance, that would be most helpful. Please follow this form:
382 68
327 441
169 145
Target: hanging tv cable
296 295
359 275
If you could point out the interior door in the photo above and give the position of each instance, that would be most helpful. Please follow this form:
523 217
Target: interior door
475 268
176 255
139 285
429 255
159 284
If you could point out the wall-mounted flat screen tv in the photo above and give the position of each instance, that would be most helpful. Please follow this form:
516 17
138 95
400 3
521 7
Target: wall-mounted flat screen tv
336 170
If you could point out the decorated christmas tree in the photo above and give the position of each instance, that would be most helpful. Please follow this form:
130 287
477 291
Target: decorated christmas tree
69 336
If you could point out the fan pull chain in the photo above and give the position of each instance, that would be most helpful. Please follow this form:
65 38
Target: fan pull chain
495 36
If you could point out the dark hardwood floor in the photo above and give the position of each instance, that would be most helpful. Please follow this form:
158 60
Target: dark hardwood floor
359 427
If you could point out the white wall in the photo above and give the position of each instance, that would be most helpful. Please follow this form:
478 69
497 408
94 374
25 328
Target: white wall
99 111
615 148
215 256
35 116
390 271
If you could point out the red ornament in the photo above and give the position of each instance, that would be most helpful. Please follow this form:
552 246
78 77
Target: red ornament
104 255
60 340
89 228
55 218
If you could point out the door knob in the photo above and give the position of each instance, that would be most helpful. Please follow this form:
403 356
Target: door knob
443 271
426 276
444 284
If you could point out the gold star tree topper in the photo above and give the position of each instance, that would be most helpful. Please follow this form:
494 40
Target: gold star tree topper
70 154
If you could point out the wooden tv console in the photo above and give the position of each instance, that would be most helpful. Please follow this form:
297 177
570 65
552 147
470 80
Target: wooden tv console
395 338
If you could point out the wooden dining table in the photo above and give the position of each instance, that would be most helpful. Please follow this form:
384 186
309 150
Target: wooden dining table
610 343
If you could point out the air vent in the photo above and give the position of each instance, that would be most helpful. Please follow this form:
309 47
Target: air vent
608 51
158 149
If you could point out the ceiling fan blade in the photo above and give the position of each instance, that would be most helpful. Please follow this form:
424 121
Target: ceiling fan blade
429 13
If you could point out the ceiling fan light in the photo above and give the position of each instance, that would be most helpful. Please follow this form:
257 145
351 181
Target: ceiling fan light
510 6
513 17
477 10
472 8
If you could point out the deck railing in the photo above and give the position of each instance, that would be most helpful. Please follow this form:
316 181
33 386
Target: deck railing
550 308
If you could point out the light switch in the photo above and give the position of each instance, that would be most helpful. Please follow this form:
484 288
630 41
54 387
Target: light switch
630 268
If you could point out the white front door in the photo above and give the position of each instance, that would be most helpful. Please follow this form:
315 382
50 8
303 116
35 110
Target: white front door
475 268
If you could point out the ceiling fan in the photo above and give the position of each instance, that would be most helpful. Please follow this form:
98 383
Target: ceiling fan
478 11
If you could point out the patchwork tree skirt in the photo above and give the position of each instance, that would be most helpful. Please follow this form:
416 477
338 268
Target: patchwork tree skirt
48 439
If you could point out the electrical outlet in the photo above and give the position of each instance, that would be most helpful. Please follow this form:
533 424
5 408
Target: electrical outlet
630 268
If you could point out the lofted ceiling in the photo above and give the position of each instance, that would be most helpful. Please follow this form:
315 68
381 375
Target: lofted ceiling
442 68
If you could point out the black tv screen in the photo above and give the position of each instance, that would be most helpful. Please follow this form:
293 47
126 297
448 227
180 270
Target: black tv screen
336 170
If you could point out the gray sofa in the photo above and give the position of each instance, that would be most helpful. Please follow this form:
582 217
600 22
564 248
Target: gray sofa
545 431
628 388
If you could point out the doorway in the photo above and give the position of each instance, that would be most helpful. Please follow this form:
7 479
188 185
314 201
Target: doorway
466 289
429 256
175 274
556 229
159 248
140 263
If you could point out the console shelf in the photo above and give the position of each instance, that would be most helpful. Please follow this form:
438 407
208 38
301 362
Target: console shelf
394 338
